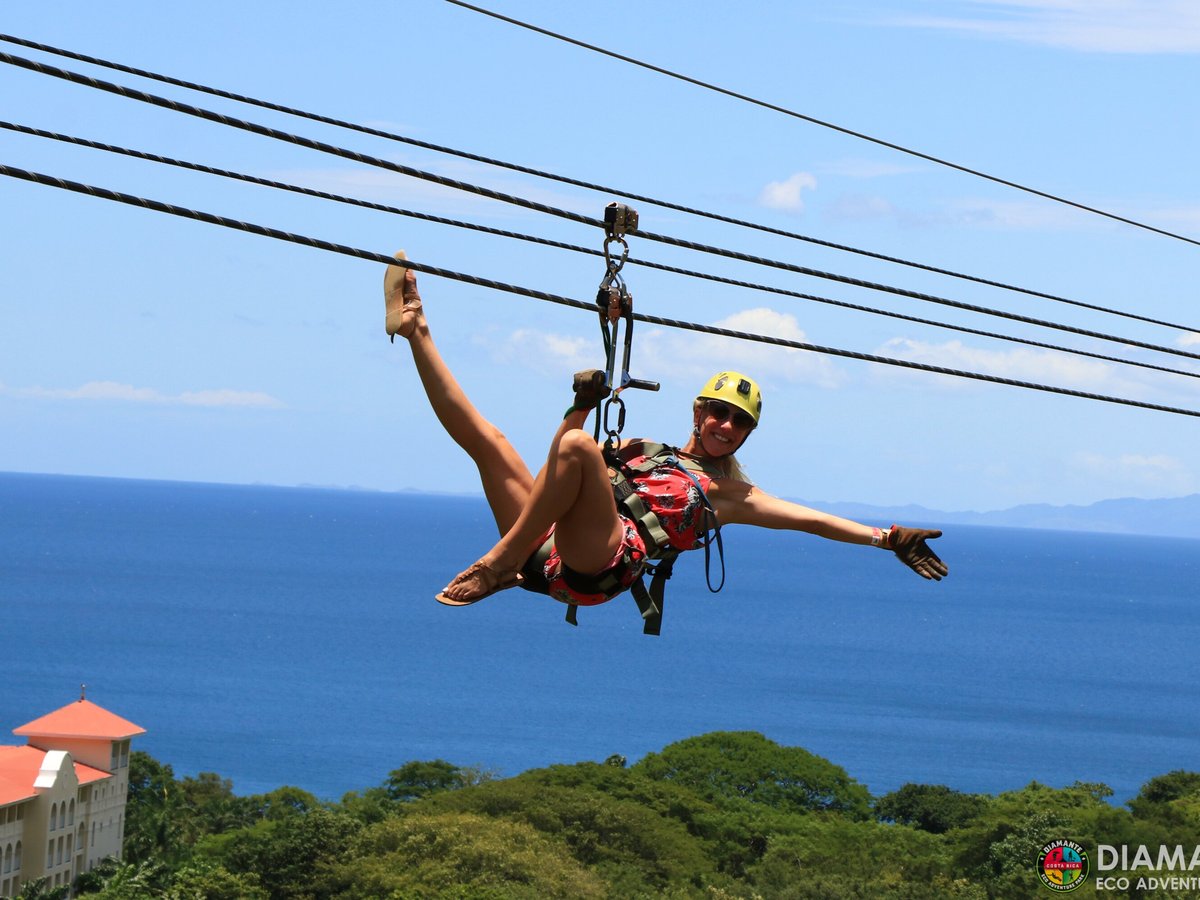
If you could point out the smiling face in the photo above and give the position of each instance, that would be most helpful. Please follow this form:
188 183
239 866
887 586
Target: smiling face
719 428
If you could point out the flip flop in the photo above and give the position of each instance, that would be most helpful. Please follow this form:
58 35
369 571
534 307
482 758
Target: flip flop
393 298
499 581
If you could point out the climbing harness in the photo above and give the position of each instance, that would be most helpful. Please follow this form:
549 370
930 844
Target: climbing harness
643 457
637 459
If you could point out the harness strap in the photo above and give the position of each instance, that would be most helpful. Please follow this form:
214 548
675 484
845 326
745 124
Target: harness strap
650 602
643 517
708 541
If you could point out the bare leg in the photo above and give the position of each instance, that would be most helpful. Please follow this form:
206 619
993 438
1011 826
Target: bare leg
573 493
507 481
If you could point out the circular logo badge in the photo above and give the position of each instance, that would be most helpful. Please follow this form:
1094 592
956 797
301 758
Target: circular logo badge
1062 865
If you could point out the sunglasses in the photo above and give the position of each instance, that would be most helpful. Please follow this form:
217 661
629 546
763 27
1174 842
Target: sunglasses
721 411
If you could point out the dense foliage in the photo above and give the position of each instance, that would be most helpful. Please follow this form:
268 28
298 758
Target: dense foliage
720 816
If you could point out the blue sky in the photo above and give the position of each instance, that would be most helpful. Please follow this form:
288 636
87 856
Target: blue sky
139 345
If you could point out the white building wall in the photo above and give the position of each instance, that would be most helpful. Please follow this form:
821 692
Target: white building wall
12 848
105 821
105 755
55 814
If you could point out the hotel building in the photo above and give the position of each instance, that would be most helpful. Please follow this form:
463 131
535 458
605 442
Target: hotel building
62 795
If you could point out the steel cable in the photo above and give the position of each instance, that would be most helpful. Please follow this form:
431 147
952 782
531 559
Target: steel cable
815 121
575 182
278 234
561 245
377 162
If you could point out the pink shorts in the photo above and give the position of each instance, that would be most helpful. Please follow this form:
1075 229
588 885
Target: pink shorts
622 570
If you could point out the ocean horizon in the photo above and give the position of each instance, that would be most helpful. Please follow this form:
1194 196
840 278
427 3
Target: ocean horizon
289 636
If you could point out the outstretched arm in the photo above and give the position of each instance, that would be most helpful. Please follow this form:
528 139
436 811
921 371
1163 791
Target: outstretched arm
739 503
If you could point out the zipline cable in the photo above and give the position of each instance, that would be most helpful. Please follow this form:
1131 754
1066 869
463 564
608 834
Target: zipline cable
815 121
277 234
561 245
575 182
377 162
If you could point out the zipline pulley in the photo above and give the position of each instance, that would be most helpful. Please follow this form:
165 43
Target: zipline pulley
615 304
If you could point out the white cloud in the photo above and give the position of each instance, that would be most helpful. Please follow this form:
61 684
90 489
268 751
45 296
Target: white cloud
866 168
697 355
786 195
225 397
968 212
543 351
1021 215
1191 339
394 189
859 208
1099 26
1158 472
1179 216
1019 364
685 354
112 391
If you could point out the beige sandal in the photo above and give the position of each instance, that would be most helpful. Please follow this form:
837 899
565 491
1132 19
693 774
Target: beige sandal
398 320
490 582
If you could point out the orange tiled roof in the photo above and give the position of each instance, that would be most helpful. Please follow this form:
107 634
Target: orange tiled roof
86 774
81 719
19 767
13 791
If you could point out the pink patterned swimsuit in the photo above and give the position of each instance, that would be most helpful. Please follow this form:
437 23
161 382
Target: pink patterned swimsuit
679 504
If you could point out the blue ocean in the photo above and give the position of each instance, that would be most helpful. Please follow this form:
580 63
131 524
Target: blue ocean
289 636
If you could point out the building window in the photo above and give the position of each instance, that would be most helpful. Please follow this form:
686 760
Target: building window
62 816
71 813
17 858
8 856
53 816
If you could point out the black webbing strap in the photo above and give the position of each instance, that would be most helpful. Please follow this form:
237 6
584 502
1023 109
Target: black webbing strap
650 602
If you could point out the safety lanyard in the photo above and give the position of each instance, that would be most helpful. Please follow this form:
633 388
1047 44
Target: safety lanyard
615 305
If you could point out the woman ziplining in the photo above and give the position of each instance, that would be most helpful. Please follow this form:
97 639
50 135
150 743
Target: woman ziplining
582 530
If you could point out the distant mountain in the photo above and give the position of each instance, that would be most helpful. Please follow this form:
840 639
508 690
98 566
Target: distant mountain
1176 517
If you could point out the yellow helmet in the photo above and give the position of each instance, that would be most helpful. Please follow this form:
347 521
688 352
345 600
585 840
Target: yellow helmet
735 389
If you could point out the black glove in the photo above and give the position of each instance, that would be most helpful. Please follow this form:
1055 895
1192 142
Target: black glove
909 545
590 389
